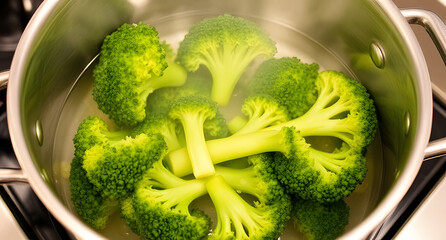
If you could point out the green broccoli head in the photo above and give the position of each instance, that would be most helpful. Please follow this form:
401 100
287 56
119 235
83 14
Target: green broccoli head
159 208
160 123
216 127
239 219
343 111
321 176
319 221
226 45
131 66
114 162
93 208
289 81
262 112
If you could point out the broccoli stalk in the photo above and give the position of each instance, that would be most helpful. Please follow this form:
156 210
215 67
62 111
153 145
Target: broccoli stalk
343 110
226 45
237 219
159 208
238 146
193 111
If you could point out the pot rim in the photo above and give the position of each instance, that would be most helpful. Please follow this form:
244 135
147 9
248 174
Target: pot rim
422 134
77 227
35 178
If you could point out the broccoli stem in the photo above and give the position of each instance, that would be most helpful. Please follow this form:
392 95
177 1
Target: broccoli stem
233 212
224 149
200 159
218 60
160 177
242 179
173 76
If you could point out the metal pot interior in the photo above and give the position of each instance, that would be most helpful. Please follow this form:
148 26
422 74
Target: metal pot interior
364 39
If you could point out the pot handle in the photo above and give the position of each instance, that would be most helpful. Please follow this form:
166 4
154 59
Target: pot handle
12 176
436 29
4 76
9 175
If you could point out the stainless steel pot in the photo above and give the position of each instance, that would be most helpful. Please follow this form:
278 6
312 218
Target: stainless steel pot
370 40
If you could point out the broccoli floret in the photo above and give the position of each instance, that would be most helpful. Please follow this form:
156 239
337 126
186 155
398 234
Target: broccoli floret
113 161
159 208
226 45
257 178
289 81
192 112
262 112
160 100
239 219
343 110
159 123
320 221
91 206
131 66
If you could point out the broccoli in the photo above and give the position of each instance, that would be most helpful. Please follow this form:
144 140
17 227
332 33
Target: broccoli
159 101
238 219
192 112
343 110
226 45
132 64
159 208
262 112
89 203
289 81
160 123
319 221
114 162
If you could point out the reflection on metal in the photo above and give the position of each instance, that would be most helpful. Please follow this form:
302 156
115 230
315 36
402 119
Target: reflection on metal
407 122
39 132
4 76
377 55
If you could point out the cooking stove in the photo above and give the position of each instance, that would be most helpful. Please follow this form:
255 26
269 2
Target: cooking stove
23 216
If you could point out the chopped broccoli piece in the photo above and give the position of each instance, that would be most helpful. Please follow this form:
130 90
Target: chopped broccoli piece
89 203
192 112
226 45
159 208
238 219
160 100
113 161
320 221
289 81
131 66
343 110
262 112
159 123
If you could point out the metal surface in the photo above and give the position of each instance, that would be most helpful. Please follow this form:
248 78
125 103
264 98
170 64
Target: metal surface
9 227
428 220
437 31
4 79
64 36
12 176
